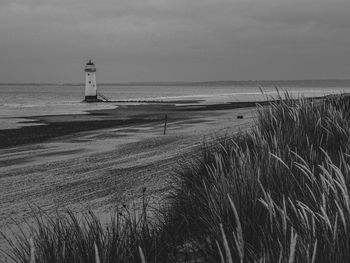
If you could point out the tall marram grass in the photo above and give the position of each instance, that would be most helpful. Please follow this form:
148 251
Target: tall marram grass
129 236
277 193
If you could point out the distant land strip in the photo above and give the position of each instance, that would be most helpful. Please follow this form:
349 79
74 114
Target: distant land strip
284 83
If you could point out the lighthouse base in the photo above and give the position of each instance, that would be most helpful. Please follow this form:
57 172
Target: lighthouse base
91 99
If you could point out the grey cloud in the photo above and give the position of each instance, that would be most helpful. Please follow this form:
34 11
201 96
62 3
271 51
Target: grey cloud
332 14
151 39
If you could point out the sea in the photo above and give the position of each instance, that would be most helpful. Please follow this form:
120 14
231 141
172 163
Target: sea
20 102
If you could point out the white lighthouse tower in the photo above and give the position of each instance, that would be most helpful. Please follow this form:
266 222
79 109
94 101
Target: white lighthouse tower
90 82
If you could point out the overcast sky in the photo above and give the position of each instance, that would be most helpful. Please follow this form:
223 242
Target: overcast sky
174 40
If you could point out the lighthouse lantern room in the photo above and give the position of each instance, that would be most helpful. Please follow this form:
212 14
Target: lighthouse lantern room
90 82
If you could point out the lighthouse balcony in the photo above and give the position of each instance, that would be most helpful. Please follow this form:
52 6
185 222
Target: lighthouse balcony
89 69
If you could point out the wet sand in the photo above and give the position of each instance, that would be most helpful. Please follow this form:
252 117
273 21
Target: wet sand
99 160
44 128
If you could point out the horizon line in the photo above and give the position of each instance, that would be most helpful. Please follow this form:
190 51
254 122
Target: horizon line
143 83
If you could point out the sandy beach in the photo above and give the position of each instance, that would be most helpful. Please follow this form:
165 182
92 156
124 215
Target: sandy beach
100 160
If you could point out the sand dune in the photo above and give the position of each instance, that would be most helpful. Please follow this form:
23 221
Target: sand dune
100 169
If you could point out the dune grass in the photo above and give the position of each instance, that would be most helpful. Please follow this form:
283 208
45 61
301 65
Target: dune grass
280 191
277 193
129 236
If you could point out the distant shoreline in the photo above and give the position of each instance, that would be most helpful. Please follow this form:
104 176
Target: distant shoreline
302 82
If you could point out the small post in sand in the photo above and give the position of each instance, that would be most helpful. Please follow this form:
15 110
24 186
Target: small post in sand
165 121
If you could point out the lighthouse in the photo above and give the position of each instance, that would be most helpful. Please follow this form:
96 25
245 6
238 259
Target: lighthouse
90 82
